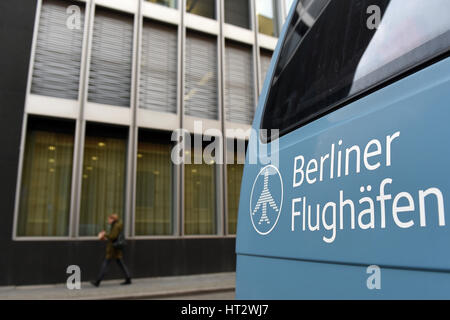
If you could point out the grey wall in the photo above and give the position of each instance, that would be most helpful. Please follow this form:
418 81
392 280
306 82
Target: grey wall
16 31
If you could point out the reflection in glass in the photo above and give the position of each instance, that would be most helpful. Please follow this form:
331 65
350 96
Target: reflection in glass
267 17
200 196
349 58
204 8
422 21
237 12
166 3
46 180
103 183
153 188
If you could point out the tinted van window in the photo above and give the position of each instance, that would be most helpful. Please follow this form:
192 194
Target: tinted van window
336 50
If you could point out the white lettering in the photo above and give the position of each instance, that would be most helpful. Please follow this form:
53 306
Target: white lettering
295 213
396 209
311 168
368 155
331 226
440 206
298 171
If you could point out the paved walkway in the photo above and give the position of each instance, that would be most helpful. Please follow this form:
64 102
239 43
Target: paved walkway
152 288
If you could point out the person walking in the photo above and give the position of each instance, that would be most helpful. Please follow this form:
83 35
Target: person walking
114 250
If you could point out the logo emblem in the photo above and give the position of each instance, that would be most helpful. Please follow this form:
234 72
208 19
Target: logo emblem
266 200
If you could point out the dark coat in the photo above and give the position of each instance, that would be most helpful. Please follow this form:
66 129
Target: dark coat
111 252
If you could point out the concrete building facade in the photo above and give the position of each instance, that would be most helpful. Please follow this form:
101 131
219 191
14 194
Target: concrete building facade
92 92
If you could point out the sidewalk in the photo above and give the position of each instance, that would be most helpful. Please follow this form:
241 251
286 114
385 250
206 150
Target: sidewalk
151 288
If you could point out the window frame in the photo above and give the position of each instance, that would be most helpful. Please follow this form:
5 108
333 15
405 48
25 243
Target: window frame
218 214
112 131
39 119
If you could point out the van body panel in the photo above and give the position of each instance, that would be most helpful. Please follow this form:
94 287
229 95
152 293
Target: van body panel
390 155
265 278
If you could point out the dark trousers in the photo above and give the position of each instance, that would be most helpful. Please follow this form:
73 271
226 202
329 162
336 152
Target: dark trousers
105 267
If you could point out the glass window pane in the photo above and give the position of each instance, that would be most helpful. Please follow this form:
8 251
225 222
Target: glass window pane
44 207
159 67
267 17
111 58
201 85
237 12
266 59
200 196
153 215
57 61
239 83
104 178
166 3
235 170
205 8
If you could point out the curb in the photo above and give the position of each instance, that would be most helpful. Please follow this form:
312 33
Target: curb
155 295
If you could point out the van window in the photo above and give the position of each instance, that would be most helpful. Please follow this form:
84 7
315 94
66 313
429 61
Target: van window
336 50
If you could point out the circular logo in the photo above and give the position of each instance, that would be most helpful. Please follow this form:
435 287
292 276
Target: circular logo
266 200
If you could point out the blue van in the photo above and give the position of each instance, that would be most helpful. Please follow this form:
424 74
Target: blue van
355 114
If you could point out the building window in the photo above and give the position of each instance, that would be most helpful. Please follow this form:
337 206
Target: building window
235 171
204 8
239 83
154 190
237 12
199 195
111 58
58 52
166 3
104 178
158 85
266 58
201 91
44 207
267 12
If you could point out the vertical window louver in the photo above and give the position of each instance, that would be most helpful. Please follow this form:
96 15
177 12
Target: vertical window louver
58 52
239 84
158 85
266 58
200 94
111 58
